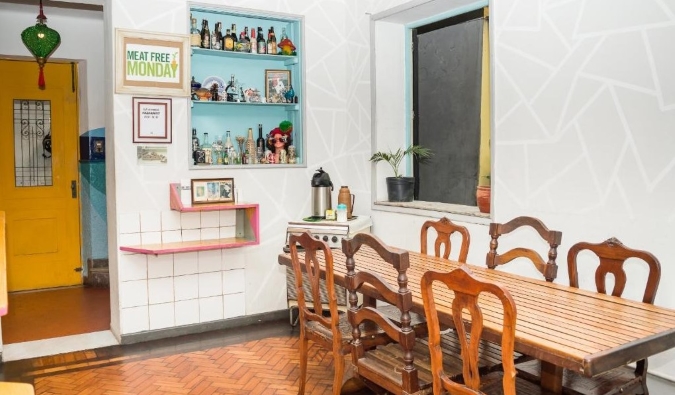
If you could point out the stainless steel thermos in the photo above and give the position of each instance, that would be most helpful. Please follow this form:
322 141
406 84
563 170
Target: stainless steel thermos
322 188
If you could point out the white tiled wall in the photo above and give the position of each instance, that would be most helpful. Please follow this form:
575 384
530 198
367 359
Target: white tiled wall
165 291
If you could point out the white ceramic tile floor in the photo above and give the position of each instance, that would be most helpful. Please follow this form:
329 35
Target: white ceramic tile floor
59 345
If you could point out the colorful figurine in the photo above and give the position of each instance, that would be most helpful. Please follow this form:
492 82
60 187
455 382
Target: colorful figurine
287 47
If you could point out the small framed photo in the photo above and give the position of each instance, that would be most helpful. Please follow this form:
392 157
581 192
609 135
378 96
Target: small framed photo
277 83
151 120
212 190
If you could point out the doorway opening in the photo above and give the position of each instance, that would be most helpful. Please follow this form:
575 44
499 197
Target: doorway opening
41 195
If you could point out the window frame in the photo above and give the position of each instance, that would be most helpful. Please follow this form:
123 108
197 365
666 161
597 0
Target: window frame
393 29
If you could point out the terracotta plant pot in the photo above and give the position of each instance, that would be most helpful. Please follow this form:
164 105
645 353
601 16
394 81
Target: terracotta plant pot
483 194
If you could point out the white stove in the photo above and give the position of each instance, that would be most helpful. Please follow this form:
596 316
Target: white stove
332 232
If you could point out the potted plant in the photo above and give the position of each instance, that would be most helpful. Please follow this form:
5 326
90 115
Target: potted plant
399 188
483 195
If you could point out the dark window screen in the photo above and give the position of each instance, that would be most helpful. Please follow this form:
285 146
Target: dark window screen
446 103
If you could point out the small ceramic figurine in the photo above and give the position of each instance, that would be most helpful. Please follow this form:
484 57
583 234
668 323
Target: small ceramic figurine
269 157
291 155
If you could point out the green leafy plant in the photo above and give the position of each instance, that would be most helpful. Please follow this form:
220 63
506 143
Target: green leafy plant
395 158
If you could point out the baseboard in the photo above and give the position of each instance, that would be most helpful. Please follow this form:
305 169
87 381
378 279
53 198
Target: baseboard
203 327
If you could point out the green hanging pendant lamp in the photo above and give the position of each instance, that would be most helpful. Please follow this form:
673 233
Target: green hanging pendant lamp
41 41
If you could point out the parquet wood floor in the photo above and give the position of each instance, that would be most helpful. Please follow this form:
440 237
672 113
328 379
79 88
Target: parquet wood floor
257 359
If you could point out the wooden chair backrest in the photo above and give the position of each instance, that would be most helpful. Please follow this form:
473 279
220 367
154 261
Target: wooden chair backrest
467 289
444 230
312 249
548 268
400 297
613 254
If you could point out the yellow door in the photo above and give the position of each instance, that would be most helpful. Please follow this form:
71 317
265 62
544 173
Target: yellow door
39 175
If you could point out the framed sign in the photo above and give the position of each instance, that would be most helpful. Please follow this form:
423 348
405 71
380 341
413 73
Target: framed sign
152 63
212 190
277 83
151 120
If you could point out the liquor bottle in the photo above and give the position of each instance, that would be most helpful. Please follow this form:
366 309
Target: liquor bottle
247 40
254 42
259 145
271 42
205 34
262 45
195 145
233 32
195 35
206 148
217 37
217 151
229 148
228 44
250 147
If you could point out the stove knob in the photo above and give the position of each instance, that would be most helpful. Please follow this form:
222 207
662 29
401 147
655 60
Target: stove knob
316 237
334 239
325 238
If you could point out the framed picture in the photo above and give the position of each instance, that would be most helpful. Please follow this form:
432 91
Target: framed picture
152 63
212 190
151 120
276 84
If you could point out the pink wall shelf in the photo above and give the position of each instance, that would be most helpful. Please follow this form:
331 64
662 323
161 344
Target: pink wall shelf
247 228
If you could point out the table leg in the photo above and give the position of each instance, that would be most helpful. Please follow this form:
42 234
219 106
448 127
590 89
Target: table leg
551 377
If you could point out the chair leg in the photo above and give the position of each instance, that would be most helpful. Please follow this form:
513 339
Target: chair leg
303 362
339 363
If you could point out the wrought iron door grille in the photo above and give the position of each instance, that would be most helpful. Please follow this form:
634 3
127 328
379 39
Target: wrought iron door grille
32 143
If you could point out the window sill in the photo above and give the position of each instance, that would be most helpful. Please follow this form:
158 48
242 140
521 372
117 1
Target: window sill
435 209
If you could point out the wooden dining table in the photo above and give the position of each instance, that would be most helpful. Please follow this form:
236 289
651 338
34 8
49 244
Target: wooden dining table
563 327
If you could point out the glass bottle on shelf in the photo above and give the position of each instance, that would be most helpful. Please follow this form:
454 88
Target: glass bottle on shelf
259 145
233 33
262 45
195 35
217 37
205 34
247 40
206 148
195 146
254 42
217 151
250 147
283 34
271 42
228 44
228 148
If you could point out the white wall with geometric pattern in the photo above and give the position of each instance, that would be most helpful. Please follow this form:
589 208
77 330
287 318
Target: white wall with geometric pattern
583 131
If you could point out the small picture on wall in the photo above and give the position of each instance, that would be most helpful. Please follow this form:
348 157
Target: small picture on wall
151 155
213 190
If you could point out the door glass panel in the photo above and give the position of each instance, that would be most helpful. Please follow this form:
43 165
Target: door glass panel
32 143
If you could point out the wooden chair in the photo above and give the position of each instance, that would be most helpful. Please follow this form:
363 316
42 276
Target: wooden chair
612 255
489 352
444 229
465 303
401 367
333 332
553 237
